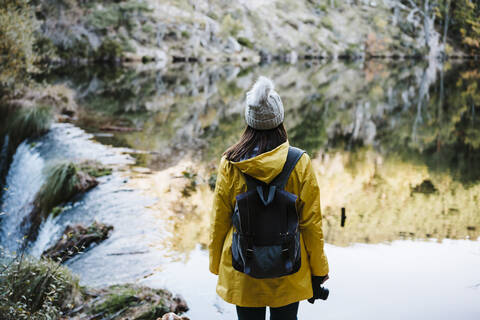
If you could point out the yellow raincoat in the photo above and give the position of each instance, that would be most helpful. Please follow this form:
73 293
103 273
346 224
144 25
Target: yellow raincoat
238 288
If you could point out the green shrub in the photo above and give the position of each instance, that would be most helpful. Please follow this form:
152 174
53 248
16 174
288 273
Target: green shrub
106 17
109 50
230 26
35 289
245 42
327 23
212 181
191 186
17 57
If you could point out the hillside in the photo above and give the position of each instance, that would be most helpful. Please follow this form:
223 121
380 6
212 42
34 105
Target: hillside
246 30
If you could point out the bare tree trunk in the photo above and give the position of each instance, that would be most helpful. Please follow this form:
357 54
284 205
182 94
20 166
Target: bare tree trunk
421 97
445 26
426 23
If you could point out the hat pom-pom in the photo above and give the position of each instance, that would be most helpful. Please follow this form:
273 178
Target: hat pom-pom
260 91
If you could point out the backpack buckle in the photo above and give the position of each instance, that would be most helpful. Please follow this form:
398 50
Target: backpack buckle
286 251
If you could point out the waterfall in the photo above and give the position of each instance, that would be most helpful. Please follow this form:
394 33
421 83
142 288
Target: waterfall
23 180
26 175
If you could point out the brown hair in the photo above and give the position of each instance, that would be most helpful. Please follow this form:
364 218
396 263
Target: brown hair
265 140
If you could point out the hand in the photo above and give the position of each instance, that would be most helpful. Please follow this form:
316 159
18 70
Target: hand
318 291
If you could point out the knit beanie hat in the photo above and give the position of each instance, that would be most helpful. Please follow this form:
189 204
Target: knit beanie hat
264 109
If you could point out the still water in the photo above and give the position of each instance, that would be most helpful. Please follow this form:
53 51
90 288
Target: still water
396 144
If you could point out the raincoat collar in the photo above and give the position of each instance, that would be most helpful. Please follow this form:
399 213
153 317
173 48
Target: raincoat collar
266 166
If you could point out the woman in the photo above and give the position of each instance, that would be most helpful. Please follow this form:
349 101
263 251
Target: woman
261 153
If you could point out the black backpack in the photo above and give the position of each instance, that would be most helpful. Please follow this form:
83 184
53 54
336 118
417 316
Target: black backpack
266 240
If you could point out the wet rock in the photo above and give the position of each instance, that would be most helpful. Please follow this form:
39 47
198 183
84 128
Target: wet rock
426 187
172 316
129 301
232 45
118 128
180 305
76 239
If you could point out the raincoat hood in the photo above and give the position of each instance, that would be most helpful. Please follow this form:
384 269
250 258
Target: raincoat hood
266 166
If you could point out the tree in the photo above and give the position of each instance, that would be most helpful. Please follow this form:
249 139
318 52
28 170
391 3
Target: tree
17 24
466 22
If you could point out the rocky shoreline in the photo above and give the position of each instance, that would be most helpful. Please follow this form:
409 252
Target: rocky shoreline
131 31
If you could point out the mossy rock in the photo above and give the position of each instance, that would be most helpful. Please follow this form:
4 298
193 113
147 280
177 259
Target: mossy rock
129 301
154 312
121 297
95 169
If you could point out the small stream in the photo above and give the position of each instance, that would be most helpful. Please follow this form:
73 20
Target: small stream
378 134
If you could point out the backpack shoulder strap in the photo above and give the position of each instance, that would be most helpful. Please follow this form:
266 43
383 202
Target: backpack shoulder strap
252 183
294 154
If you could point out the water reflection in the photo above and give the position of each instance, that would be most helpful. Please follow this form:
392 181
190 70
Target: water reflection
396 144
422 113
380 134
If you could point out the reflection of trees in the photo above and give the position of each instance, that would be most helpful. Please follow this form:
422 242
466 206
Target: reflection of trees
382 204
413 115
359 128
380 194
447 138
198 110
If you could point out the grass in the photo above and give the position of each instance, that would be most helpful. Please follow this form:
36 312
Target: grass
65 180
62 184
35 289
28 123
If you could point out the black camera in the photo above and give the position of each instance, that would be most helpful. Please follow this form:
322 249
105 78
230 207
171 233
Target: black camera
323 293
319 293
